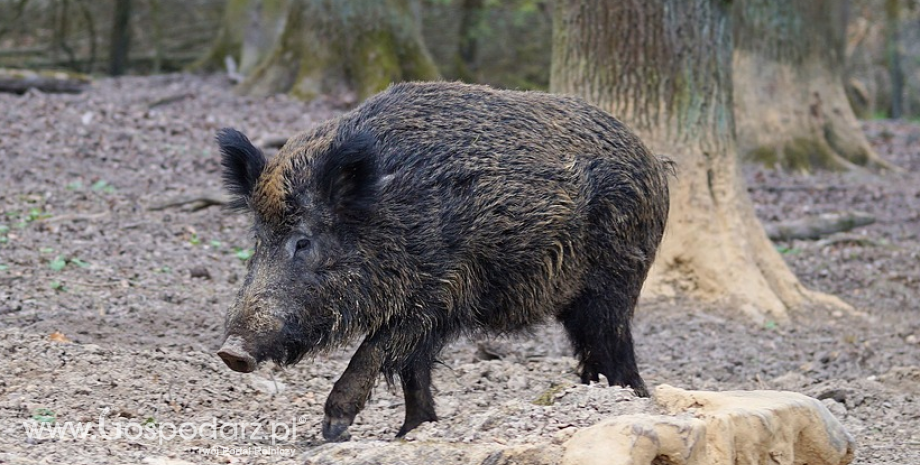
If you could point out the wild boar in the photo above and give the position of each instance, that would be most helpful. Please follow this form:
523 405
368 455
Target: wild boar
436 210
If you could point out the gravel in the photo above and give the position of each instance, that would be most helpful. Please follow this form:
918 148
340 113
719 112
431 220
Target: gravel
110 311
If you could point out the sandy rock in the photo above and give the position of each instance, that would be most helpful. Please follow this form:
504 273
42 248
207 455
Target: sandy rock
698 428
732 427
639 440
403 453
165 461
838 409
15 459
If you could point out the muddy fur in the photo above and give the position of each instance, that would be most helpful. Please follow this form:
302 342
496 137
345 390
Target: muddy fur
438 209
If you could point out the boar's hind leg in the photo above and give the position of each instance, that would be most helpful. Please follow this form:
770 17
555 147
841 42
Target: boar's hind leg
416 384
597 323
351 391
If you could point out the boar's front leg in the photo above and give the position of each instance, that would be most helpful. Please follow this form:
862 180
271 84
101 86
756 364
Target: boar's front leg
351 391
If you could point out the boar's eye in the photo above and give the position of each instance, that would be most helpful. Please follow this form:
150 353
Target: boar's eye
302 244
299 246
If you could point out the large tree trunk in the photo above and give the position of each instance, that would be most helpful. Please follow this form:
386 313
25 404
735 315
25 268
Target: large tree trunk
319 47
791 108
664 68
229 39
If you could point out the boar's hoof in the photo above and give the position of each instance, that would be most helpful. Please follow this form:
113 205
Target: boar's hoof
336 429
237 358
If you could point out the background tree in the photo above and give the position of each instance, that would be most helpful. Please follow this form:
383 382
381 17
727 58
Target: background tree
893 49
315 47
504 43
791 109
664 68
121 38
471 12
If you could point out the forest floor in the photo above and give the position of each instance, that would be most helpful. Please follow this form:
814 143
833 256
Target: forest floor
111 309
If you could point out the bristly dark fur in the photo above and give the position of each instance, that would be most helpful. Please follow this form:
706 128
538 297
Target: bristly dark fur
242 163
440 209
345 176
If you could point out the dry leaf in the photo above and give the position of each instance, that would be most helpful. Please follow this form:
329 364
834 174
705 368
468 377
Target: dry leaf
58 336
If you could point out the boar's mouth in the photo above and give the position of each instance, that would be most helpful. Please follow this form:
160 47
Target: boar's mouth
243 351
287 349
293 344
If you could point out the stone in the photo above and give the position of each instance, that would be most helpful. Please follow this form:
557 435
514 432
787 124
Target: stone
731 428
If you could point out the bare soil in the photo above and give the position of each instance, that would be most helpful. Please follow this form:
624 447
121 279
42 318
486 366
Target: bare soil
111 309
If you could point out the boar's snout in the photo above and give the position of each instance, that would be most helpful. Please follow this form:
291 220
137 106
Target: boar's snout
236 356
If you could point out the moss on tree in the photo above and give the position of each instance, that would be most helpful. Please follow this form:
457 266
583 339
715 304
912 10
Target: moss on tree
229 38
352 47
788 87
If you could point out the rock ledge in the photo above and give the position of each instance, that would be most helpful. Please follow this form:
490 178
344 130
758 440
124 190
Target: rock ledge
699 428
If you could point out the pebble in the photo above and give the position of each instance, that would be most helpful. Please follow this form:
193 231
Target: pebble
517 383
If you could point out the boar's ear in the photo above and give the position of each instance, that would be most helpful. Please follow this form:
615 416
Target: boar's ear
346 175
243 164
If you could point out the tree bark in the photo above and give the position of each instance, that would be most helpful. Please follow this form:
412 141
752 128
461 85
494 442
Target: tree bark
121 38
664 68
893 52
791 108
471 12
319 47
229 40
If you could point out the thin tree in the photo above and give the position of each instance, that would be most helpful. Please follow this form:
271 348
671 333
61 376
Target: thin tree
791 108
893 55
121 38
664 68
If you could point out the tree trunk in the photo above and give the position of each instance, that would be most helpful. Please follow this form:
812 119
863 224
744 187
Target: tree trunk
471 12
229 40
121 38
664 67
315 47
893 52
791 108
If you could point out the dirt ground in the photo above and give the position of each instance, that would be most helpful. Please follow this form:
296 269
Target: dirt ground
111 308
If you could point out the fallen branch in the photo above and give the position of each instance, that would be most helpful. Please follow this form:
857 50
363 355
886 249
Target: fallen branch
193 202
809 188
170 99
847 240
816 227
18 81
271 141
75 217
